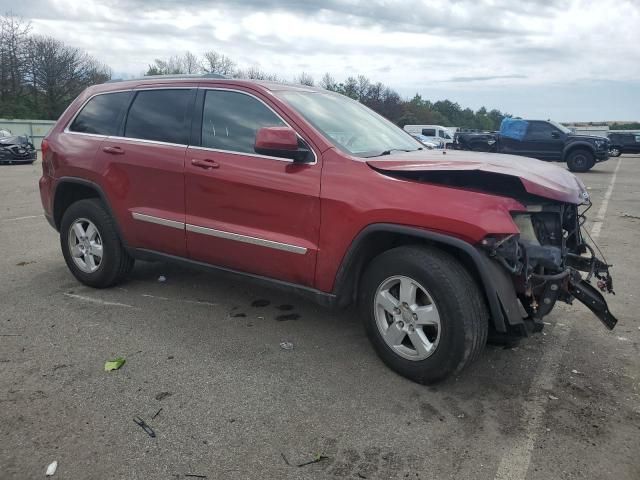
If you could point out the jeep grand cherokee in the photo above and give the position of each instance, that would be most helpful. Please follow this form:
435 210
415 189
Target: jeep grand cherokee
313 191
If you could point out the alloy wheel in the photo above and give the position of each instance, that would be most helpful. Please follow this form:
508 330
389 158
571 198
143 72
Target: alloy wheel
407 317
85 245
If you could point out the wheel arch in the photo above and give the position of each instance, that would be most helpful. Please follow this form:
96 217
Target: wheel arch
71 189
569 149
377 238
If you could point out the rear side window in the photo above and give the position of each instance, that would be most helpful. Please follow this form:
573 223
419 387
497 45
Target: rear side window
429 132
101 114
230 121
159 115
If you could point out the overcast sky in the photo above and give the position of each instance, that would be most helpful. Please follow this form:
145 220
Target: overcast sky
565 59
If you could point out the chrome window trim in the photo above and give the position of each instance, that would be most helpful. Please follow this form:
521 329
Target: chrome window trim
197 147
157 220
73 119
286 247
226 89
247 239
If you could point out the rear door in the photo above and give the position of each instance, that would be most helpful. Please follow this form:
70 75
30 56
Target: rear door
143 168
248 212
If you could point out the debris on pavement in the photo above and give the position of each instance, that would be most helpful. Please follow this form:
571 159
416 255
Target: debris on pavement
51 469
286 345
163 395
162 278
552 397
303 460
22 264
142 424
196 475
156 414
114 364
575 372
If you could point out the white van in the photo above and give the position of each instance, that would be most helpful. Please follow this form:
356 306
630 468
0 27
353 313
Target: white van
436 133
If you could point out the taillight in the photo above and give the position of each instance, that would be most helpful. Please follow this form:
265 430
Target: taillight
46 162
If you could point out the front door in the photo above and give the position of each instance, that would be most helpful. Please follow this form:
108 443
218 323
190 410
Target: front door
248 212
543 141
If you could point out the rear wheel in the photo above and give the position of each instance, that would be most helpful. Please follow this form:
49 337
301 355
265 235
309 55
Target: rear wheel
580 160
423 313
91 246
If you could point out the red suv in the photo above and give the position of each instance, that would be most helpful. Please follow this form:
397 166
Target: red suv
313 191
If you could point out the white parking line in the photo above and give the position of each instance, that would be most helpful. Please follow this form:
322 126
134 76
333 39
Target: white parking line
515 462
21 218
97 301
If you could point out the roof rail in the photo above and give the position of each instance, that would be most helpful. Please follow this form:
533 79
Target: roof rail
169 77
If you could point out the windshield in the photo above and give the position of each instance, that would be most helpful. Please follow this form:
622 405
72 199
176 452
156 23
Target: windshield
562 128
349 125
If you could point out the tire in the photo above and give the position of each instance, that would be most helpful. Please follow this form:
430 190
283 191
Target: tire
450 289
615 152
114 264
580 160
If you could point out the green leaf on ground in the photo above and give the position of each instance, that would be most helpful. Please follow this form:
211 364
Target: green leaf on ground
114 364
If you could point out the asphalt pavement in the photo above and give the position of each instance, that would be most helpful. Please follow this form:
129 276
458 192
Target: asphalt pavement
206 370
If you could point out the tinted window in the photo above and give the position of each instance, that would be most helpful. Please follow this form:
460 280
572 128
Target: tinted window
101 114
159 115
540 131
429 132
230 121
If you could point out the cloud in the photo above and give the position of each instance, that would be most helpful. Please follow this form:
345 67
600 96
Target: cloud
483 78
407 44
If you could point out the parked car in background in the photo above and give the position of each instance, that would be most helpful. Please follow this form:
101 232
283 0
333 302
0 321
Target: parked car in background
16 148
314 192
624 143
433 133
427 142
544 140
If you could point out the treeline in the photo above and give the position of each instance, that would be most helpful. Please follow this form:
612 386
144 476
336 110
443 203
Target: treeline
40 75
375 95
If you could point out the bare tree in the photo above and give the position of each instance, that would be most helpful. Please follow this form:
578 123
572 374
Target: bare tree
215 62
256 73
328 82
14 33
57 73
304 79
191 63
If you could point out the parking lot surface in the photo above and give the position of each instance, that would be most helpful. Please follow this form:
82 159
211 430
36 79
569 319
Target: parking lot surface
205 369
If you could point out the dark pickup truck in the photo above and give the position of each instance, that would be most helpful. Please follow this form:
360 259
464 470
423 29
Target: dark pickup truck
544 140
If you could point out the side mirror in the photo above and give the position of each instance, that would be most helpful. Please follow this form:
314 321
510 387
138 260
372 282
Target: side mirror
282 142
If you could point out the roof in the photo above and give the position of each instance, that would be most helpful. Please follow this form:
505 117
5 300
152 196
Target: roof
207 79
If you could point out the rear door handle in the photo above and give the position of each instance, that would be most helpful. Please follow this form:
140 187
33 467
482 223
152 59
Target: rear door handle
113 150
205 163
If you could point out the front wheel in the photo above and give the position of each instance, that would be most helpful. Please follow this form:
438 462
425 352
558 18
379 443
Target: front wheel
91 246
423 313
580 160
615 152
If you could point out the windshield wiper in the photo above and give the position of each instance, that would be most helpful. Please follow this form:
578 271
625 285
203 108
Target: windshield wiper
388 152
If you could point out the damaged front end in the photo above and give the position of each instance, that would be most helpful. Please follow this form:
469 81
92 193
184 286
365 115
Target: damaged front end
549 260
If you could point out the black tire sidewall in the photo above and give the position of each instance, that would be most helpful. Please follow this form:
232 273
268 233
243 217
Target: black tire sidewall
112 249
589 161
454 336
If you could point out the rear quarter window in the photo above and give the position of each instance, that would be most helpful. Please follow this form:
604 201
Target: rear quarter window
101 115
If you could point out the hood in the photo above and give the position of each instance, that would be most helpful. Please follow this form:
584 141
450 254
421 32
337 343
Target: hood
537 177
14 140
589 138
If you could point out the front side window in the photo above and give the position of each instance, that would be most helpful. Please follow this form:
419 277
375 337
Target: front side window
231 120
429 132
101 114
539 131
159 115
349 125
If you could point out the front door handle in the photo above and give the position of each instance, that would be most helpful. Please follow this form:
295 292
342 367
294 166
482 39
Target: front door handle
205 163
113 150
